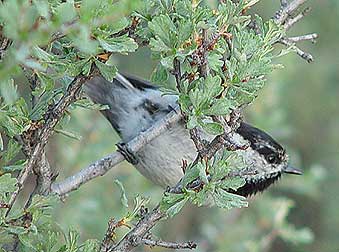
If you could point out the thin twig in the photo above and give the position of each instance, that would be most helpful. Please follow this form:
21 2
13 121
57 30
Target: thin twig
282 15
108 241
135 237
23 175
296 39
33 83
306 56
283 3
203 66
290 22
169 245
52 119
4 44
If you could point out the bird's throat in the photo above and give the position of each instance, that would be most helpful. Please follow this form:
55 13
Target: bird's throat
252 187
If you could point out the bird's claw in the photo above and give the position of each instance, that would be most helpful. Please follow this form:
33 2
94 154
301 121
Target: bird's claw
127 153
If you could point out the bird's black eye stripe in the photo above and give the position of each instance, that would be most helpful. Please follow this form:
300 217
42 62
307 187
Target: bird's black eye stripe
150 106
271 157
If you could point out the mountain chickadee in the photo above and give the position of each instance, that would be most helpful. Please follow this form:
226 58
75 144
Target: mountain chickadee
134 106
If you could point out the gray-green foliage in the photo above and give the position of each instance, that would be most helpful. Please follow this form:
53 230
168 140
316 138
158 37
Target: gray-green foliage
54 41
236 60
51 42
34 226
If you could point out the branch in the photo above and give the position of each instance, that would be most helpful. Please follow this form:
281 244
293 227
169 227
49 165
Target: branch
4 44
52 118
107 241
169 245
310 37
306 56
44 178
283 3
286 10
283 17
100 167
290 22
135 237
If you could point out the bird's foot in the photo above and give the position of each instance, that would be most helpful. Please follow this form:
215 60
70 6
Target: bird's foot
127 153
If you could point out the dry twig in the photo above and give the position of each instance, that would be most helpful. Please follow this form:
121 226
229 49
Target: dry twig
284 17
52 119
169 245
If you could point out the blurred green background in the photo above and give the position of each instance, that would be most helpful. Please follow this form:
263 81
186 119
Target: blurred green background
299 107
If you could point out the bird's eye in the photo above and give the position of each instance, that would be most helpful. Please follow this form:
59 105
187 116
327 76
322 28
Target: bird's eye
272 158
151 107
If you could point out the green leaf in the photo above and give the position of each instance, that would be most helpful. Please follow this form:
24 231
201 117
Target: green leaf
13 149
69 134
185 103
89 104
42 105
18 166
172 203
185 30
118 25
123 198
40 202
83 41
213 86
214 61
220 107
42 54
86 68
90 245
17 230
72 239
192 122
1 143
212 128
107 71
65 12
158 45
202 172
46 81
26 240
164 29
159 75
232 183
121 44
42 8
199 99
228 200
8 91
167 62
173 210
192 172
139 202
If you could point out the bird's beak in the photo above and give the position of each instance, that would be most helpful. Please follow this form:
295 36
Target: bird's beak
291 170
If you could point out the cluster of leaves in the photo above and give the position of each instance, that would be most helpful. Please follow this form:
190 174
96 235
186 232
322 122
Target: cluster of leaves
52 42
212 188
237 58
33 227
219 64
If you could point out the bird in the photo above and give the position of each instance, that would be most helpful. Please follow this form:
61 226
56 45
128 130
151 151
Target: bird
134 105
